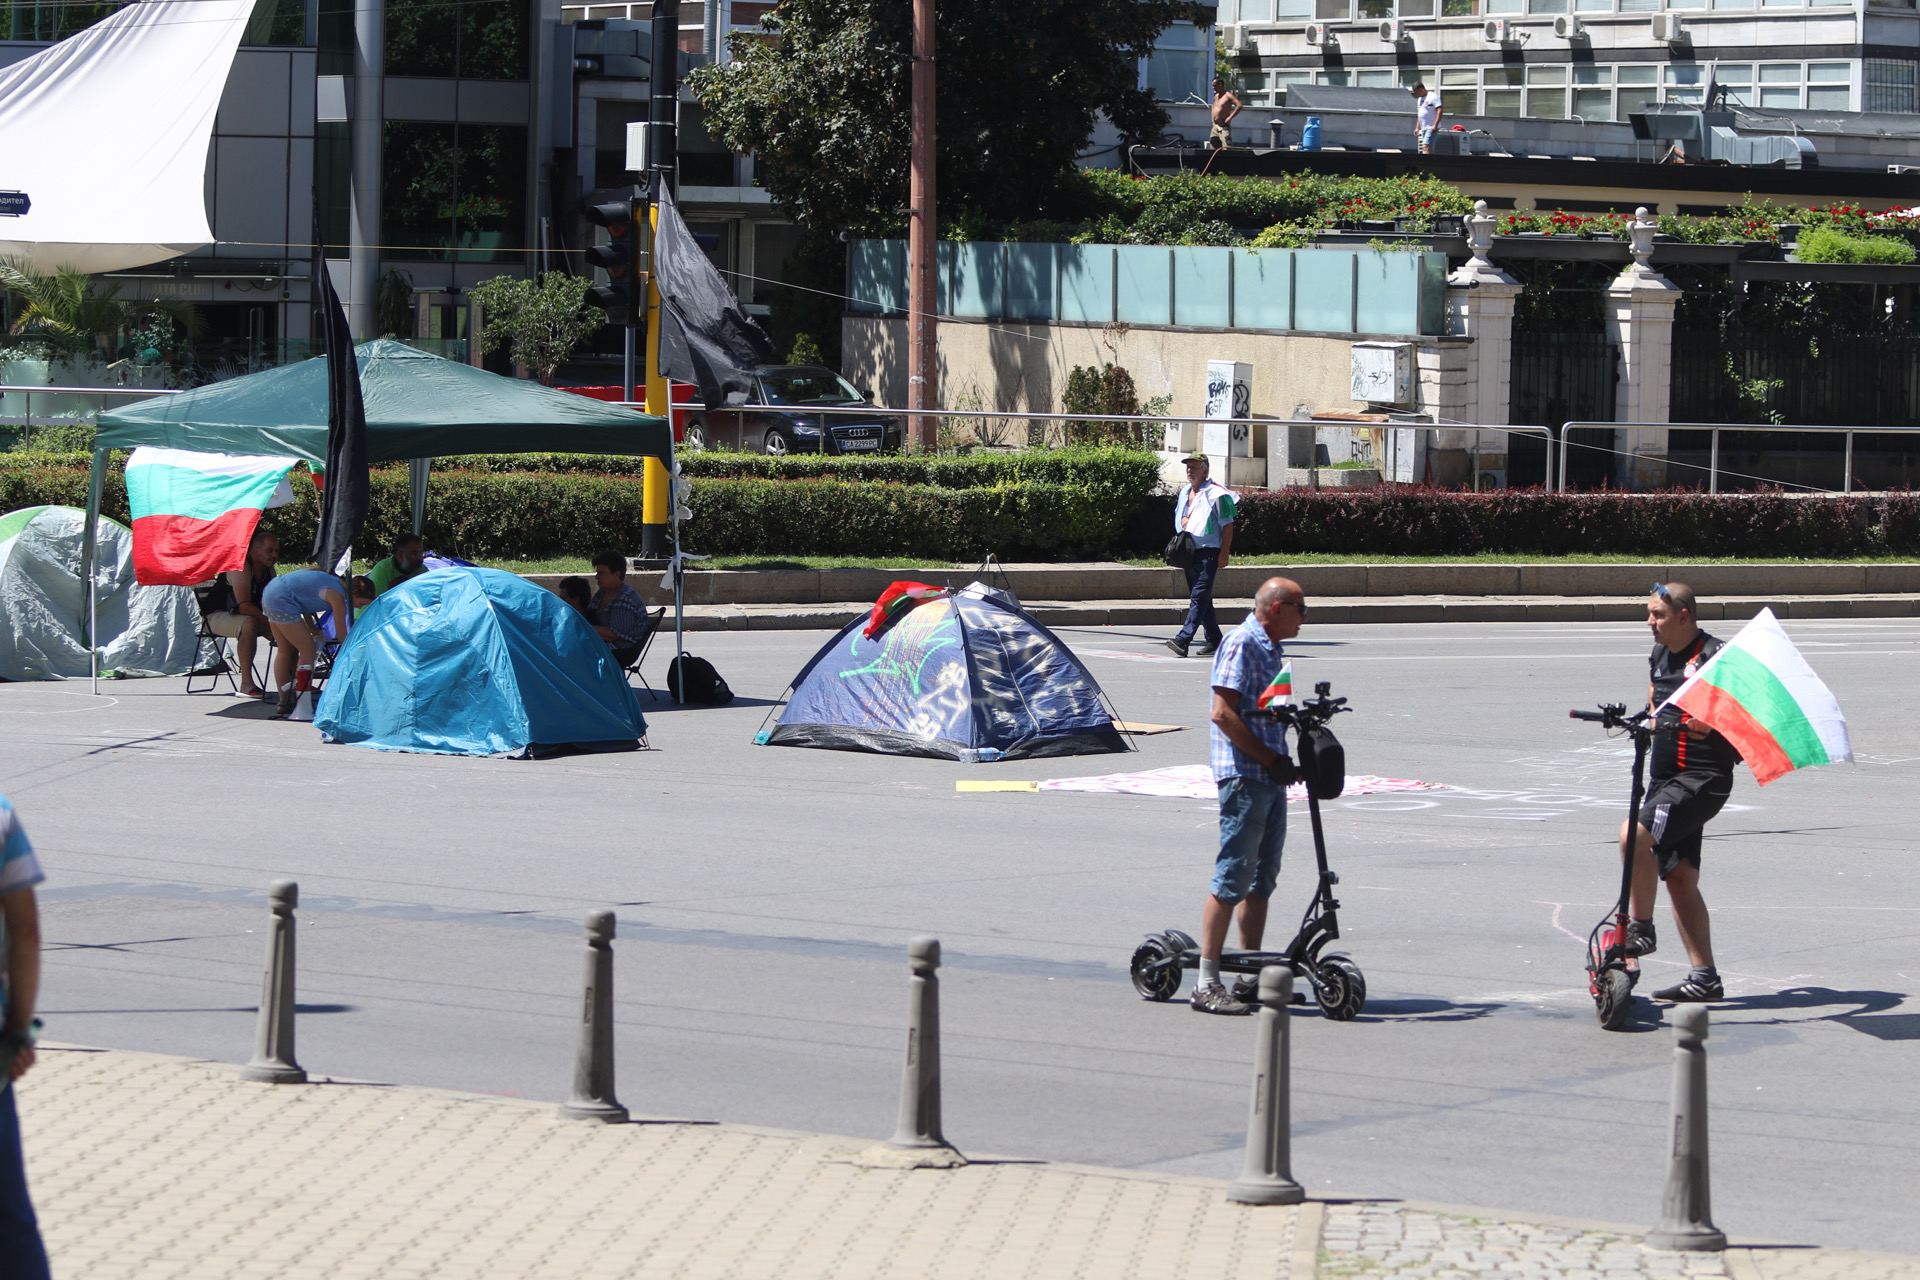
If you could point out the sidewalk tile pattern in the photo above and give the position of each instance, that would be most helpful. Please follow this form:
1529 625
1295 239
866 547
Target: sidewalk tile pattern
1385 1239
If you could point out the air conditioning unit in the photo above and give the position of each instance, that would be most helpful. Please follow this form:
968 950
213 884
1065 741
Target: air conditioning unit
1668 28
1393 31
1567 27
1496 31
1322 34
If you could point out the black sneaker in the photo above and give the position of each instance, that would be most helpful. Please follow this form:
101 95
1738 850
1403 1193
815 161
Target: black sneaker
1692 991
1205 649
1213 998
1640 939
1178 646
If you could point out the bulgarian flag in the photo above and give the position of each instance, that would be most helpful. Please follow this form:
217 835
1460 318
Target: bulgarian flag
1281 690
194 513
1763 698
896 600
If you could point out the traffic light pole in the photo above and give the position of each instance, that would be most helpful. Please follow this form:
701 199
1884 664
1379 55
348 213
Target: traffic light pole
656 496
363 238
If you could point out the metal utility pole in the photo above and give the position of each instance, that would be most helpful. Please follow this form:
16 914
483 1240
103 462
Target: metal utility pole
922 360
663 116
363 252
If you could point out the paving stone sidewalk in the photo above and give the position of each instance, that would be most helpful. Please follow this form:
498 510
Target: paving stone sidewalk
163 1168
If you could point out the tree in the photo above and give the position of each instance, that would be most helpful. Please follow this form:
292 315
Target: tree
72 316
824 107
543 321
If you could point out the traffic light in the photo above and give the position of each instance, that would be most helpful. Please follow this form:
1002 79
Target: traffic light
619 297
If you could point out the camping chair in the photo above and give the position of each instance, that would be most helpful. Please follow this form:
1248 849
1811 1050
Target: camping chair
646 642
210 595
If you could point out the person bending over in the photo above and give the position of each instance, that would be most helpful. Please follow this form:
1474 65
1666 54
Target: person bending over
1252 772
1691 778
619 614
288 599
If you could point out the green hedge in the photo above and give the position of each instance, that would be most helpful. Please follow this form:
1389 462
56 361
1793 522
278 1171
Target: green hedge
533 514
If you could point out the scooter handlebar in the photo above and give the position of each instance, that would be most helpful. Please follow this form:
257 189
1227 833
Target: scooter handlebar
1596 717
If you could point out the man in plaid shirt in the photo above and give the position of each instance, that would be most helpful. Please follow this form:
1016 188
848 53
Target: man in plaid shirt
617 611
1252 771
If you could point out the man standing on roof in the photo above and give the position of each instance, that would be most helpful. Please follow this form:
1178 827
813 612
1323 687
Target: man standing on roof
1426 116
1225 107
1252 771
1206 509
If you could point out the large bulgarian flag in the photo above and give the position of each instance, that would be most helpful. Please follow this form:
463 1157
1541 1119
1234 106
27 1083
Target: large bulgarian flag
194 513
1764 699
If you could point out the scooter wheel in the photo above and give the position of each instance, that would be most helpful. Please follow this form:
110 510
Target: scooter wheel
1156 970
1614 998
1342 989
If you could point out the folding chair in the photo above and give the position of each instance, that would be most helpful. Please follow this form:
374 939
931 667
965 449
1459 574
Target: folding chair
210 595
646 642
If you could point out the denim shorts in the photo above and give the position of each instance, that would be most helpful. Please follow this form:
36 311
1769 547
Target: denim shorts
284 619
1253 827
1424 136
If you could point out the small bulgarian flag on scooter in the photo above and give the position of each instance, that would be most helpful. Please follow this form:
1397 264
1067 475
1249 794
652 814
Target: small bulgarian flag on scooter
1281 690
896 600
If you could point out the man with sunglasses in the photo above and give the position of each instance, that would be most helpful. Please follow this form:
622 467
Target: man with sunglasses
1252 772
1691 778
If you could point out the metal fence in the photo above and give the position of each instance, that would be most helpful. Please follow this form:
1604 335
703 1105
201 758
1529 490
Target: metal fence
1721 462
1867 381
1559 378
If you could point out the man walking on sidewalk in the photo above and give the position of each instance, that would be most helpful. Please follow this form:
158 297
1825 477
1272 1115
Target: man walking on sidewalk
1205 509
22 1256
1252 771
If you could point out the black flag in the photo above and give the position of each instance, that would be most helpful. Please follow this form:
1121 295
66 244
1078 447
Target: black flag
344 502
705 336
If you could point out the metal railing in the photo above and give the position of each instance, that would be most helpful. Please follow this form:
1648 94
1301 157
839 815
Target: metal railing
1546 434
1716 429
26 418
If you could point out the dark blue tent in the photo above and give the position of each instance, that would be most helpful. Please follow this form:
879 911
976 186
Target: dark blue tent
477 662
971 676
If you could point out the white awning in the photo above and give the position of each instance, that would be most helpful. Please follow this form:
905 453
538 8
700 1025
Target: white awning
106 133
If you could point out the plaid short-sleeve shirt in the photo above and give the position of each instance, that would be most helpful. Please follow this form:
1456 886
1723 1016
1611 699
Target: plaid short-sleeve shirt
1247 663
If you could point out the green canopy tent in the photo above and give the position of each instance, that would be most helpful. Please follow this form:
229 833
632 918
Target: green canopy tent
419 406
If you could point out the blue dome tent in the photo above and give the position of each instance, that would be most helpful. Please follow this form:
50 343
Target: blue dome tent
477 662
968 676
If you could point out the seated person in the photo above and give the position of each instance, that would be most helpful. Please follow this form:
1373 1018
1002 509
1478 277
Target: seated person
619 614
243 621
577 593
407 561
363 593
287 599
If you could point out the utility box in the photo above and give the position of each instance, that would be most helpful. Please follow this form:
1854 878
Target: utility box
1383 373
1229 395
1182 438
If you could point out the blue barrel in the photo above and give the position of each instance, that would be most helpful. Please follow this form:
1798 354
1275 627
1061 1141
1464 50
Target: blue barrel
1310 135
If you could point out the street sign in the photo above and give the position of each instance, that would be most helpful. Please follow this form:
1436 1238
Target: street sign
14 203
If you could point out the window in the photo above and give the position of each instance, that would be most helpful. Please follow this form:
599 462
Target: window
277 22
1593 6
1890 86
1505 6
1829 86
1181 68
1375 79
477 40
454 193
1460 102
1459 8
1546 6
1503 103
1373 10
1332 10
1593 104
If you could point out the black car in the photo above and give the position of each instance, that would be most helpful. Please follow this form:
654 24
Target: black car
806 395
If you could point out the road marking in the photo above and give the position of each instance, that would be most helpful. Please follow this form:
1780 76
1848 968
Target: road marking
996 786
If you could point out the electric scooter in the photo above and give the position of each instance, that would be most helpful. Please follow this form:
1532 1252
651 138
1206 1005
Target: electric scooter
1337 983
1611 972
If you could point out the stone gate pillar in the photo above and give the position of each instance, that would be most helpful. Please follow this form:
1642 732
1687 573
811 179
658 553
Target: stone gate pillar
1640 306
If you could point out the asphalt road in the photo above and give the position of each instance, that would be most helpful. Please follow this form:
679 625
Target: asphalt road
765 896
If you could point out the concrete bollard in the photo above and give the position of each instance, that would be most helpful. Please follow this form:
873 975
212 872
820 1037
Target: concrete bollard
919 1125
1267 1177
593 1064
273 1061
1686 1210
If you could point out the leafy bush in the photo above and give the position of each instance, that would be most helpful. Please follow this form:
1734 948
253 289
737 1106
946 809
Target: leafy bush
1829 244
1404 520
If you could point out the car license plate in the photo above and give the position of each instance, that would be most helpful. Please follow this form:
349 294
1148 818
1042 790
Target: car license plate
859 444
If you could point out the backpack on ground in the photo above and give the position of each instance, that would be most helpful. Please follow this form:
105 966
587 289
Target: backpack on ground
703 685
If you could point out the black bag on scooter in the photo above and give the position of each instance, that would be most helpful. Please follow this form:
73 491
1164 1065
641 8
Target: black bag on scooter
1323 762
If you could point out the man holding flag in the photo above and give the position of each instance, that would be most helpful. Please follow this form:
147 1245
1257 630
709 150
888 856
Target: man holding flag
1714 703
1252 772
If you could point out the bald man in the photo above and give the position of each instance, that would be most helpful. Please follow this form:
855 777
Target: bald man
1252 771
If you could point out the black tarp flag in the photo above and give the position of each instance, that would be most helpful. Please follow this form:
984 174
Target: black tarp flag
706 338
344 501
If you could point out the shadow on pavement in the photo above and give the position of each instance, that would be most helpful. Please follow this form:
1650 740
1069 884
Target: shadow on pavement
1427 1010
